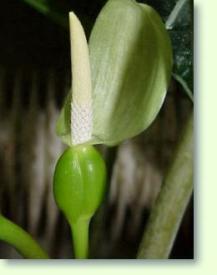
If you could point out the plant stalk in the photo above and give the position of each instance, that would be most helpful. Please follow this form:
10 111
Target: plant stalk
167 213
80 236
46 8
20 240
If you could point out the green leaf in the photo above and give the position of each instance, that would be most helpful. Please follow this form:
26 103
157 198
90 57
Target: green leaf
130 57
178 15
180 26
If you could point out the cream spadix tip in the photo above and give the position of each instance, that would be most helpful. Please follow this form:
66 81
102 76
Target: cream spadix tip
81 106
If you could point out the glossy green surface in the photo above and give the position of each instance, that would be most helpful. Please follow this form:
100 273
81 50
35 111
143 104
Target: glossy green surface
79 184
14 235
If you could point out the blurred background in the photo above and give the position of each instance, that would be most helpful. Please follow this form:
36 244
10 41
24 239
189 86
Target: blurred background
34 79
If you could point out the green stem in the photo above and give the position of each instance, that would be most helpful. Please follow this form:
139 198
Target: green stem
20 240
175 14
173 199
45 8
184 85
80 236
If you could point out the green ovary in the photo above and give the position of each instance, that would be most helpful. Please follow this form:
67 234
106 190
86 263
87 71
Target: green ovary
79 184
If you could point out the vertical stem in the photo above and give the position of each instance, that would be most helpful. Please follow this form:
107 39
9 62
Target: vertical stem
173 199
80 236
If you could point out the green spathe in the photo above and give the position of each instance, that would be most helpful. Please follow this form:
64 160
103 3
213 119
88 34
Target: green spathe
79 184
131 60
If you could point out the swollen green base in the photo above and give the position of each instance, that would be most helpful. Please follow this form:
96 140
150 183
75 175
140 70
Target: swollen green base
79 187
20 240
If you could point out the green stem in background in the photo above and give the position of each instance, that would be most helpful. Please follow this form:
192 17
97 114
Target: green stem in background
173 199
80 238
184 85
174 14
20 240
47 8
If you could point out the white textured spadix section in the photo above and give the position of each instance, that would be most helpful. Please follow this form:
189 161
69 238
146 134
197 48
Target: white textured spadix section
81 122
81 106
